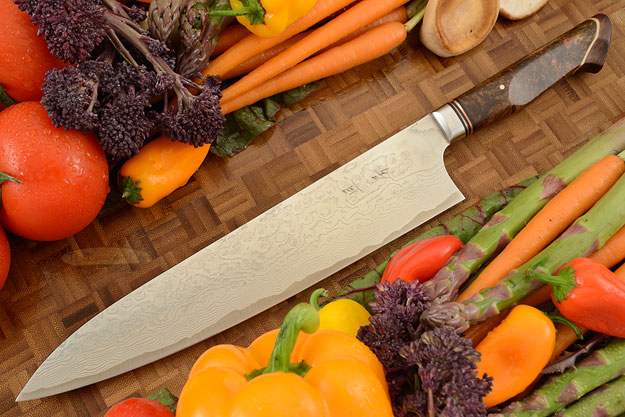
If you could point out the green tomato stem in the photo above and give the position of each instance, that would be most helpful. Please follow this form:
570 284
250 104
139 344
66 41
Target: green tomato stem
5 98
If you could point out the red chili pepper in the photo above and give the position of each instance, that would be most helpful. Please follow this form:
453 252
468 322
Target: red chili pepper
589 294
422 259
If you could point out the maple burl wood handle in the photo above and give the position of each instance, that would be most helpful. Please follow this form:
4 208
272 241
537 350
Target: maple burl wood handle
583 48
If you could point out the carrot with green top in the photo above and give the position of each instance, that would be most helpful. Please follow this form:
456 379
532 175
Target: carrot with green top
361 14
252 45
570 203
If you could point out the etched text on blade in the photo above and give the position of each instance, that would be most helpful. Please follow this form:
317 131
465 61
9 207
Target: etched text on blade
358 205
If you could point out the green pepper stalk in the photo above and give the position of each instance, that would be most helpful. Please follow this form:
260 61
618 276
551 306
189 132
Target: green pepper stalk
602 366
252 9
587 234
464 226
608 401
302 317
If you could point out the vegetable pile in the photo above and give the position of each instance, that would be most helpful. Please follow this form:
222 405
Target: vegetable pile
542 338
138 71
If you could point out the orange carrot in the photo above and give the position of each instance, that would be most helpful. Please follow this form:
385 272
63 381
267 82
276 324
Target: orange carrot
398 15
258 60
373 44
512 358
620 272
554 218
363 13
228 37
565 338
252 45
613 251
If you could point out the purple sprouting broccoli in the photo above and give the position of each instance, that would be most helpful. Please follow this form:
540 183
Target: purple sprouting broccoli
447 375
123 85
428 372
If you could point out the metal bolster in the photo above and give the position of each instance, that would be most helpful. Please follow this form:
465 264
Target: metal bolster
450 123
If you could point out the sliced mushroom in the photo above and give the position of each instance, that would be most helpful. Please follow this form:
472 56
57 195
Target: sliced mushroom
452 27
520 9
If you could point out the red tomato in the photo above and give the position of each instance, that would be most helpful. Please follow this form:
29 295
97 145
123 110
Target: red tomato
5 257
24 56
63 174
139 407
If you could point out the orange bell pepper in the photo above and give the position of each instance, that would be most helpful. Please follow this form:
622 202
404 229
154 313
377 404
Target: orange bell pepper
296 371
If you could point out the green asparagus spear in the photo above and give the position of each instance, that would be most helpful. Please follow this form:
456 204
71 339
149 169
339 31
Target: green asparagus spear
463 226
607 401
587 234
504 225
601 366
163 16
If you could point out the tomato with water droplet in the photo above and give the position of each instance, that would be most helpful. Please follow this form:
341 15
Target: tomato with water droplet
58 178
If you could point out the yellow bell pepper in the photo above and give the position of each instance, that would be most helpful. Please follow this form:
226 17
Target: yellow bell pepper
160 167
278 14
296 371
344 315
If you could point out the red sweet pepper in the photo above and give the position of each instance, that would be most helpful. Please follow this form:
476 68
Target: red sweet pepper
589 294
422 259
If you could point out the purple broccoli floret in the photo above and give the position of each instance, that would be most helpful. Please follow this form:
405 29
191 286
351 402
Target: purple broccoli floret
428 372
71 28
447 373
122 80
71 94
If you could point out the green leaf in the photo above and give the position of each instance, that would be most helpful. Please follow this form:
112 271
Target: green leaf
295 95
166 398
244 125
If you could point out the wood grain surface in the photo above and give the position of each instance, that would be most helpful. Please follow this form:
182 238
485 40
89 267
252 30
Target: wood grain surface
54 288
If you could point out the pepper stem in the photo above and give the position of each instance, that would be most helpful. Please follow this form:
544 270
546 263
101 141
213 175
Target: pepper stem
302 317
251 8
314 297
561 320
562 283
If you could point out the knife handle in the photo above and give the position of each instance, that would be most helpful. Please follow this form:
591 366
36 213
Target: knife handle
583 48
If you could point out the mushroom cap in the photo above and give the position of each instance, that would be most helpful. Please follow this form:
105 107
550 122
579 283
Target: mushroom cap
520 9
452 27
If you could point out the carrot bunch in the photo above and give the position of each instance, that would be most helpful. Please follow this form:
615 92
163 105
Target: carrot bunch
367 30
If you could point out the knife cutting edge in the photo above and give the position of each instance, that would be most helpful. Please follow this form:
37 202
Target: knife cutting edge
323 228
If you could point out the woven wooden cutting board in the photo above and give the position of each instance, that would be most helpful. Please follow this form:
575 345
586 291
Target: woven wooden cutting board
54 288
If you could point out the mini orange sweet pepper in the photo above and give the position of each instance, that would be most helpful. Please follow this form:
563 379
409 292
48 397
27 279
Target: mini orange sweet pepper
160 167
296 371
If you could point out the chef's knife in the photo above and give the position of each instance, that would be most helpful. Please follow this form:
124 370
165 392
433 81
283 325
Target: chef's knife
377 197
